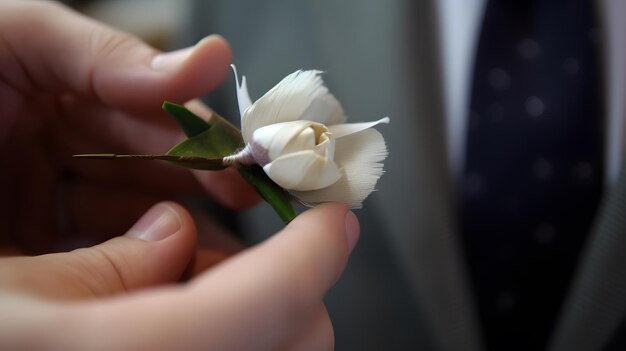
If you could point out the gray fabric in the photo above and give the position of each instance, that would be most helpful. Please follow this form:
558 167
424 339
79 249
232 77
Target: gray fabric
597 304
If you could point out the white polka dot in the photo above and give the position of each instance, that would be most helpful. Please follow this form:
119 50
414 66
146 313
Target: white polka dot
545 233
534 106
583 171
542 169
571 65
505 301
529 49
495 112
499 79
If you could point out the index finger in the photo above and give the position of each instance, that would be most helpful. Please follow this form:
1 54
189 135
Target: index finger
48 47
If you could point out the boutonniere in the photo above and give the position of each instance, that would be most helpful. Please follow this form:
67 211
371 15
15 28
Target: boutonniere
293 144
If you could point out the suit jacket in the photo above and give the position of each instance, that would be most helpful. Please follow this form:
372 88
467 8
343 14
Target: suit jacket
406 286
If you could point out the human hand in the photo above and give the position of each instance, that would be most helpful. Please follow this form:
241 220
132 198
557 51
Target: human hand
71 85
121 295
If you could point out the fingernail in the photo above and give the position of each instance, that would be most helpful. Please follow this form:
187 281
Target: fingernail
157 224
352 230
170 61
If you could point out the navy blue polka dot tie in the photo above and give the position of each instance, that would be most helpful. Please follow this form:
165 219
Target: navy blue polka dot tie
533 169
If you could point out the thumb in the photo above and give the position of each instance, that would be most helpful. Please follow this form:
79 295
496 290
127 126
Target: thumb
156 250
57 50
260 299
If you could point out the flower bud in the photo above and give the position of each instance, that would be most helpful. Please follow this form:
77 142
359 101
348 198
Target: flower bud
297 155
292 132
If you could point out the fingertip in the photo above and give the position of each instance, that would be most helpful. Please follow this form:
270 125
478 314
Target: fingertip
158 223
209 59
119 265
218 45
138 78
171 234
328 230
187 230
353 230
187 224
335 213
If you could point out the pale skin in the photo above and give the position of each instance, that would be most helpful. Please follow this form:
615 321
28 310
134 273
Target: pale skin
71 85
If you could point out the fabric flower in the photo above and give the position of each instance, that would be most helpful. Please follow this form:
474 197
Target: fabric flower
296 132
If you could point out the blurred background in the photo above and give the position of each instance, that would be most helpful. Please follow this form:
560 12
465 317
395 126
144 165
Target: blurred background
162 23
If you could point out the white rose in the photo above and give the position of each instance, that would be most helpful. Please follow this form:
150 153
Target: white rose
296 133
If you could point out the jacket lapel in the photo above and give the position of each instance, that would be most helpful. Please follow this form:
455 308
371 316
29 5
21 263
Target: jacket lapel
596 306
613 26
422 223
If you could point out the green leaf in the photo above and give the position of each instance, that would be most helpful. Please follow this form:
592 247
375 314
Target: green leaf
212 140
216 139
191 124
210 144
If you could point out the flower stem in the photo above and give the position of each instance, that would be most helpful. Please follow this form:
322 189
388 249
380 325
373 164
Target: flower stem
173 158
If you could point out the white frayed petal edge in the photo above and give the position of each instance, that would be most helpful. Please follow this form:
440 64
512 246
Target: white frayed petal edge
360 155
342 130
300 95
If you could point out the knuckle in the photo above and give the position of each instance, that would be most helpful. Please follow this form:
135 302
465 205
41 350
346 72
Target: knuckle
105 42
99 271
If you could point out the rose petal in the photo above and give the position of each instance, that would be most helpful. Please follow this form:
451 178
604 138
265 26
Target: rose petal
300 94
305 140
324 109
341 130
326 148
360 156
303 170
286 137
